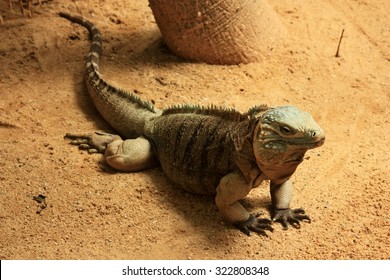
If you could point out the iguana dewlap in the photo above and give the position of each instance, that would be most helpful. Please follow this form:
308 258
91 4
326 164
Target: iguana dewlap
205 150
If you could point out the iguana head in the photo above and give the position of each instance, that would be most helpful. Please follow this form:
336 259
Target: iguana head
283 135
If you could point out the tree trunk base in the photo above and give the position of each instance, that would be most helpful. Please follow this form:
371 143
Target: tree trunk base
218 31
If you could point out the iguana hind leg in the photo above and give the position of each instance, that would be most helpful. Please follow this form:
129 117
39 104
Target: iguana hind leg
129 155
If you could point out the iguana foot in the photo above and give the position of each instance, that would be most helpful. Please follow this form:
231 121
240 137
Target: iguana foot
95 142
290 217
255 224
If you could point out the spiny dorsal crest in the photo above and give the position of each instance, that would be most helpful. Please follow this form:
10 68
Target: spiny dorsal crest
211 110
254 111
135 98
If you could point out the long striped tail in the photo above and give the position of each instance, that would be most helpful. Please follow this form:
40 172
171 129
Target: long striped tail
123 110
96 39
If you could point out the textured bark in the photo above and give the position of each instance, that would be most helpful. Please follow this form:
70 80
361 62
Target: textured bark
219 31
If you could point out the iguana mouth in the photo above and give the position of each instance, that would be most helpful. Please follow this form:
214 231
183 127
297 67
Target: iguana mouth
298 157
308 144
318 143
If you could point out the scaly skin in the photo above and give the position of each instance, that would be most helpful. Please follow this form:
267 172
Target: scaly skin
204 150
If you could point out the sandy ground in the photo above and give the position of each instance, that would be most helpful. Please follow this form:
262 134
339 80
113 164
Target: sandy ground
94 212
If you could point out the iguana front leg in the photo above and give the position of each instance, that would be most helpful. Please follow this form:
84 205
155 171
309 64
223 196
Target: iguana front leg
230 190
281 195
129 155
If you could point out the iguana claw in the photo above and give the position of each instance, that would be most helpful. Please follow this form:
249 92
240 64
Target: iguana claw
290 217
95 142
255 224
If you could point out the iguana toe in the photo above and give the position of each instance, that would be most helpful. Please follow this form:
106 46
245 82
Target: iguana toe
256 225
290 217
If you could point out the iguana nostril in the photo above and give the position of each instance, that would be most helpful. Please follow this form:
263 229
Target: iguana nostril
317 134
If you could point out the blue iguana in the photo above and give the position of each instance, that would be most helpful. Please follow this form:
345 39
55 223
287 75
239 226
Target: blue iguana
204 150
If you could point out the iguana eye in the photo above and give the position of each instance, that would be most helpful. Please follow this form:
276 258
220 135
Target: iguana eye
286 130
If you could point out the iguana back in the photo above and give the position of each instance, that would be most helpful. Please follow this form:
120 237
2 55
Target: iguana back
197 146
